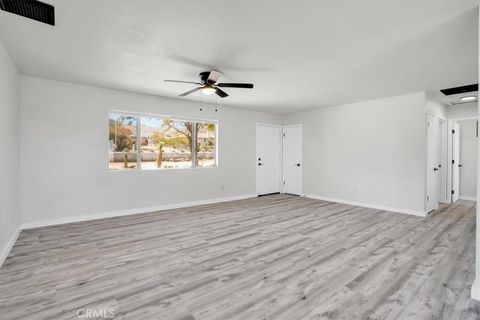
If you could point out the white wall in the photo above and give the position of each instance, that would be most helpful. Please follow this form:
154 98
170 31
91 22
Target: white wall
475 292
64 153
467 110
434 104
372 152
468 159
9 133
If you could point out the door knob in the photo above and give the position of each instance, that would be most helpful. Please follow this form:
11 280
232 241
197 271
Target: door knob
435 169
260 164
297 164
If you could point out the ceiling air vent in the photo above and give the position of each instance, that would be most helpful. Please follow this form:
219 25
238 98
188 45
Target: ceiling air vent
31 9
458 90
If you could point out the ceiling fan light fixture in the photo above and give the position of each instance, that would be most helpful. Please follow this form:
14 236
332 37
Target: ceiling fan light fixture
208 84
468 98
208 90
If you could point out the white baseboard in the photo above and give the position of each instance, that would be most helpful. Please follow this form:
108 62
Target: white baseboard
46 223
468 198
475 292
9 246
369 205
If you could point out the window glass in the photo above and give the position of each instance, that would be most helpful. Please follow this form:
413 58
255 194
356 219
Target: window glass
152 146
175 141
122 142
206 151
162 143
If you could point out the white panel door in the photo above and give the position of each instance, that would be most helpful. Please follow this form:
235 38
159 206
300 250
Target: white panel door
292 159
443 195
432 163
455 161
269 159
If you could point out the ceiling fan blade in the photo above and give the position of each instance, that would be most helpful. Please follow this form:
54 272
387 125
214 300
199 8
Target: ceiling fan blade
235 85
213 76
190 92
221 93
179 81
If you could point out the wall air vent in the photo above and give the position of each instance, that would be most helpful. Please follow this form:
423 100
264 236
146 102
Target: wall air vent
31 9
458 90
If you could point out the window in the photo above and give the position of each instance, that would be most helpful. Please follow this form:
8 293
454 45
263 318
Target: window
163 143
206 148
123 138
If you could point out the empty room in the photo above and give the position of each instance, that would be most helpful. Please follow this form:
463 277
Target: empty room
232 160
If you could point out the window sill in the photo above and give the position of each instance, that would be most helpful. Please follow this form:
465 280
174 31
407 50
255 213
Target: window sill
162 169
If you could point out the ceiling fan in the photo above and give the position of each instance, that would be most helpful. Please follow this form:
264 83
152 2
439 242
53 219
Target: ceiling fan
208 84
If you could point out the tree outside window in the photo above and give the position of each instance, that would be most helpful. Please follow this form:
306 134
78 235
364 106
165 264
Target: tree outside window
163 143
122 137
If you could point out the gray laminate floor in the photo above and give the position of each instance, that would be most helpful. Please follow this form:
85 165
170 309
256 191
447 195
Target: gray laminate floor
276 257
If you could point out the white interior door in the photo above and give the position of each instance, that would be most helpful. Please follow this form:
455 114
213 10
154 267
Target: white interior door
432 163
269 159
455 161
292 159
443 190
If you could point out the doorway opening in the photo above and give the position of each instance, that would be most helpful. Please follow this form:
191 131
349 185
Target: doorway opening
451 160
463 137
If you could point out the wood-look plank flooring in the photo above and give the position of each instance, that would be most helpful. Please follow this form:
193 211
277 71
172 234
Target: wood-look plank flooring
275 257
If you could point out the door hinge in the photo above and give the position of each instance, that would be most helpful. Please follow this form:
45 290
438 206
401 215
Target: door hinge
284 135
453 161
453 192
428 198
453 131
283 182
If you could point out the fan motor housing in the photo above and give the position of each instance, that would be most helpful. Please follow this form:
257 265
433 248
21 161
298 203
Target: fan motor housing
204 77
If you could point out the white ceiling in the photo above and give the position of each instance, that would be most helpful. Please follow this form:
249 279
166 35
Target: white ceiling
299 54
455 99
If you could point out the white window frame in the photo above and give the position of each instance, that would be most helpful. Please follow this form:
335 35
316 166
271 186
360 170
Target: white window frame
139 115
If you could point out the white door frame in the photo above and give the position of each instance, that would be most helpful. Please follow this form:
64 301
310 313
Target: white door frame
301 156
281 154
